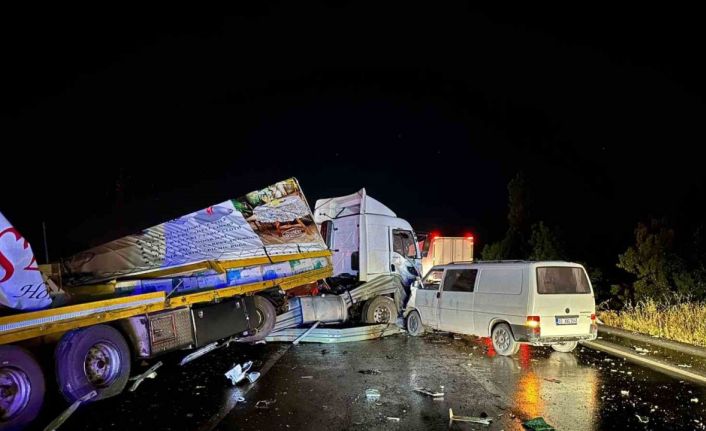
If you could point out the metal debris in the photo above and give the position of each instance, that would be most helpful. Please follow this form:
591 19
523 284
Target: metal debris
684 365
307 377
151 373
264 404
307 332
393 419
472 419
56 423
429 392
239 372
624 393
640 349
642 419
252 377
197 354
694 400
553 380
372 394
370 372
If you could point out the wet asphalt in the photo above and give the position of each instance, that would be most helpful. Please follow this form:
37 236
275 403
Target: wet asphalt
323 387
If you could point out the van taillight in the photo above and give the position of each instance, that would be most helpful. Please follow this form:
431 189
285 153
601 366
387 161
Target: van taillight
532 321
593 317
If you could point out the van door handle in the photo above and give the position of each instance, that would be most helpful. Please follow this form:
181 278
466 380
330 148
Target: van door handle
438 294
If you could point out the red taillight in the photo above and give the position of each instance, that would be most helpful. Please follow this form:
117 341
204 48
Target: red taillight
532 321
593 317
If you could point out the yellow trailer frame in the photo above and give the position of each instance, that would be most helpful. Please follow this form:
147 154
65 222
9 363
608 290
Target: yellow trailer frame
33 324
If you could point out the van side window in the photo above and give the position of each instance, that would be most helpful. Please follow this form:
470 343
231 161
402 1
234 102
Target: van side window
433 279
460 280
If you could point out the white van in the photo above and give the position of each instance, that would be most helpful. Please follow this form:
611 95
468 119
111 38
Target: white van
513 302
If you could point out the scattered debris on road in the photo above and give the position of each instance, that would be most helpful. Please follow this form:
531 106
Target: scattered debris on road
472 419
372 394
684 365
538 424
264 404
429 392
393 419
370 372
56 423
239 372
307 377
642 419
200 352
553 380
151 373
640 349
694 400
624 393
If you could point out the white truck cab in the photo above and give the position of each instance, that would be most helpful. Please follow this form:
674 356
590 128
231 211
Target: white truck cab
376 257
540 303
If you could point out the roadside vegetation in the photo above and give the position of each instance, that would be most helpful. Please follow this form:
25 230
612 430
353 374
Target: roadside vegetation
675 317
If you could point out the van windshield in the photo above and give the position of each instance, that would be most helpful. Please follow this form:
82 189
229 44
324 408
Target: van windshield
562 280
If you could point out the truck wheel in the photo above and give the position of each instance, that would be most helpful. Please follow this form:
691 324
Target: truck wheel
414 324
93 358
21 388
381 309
266 319
566 347
503 341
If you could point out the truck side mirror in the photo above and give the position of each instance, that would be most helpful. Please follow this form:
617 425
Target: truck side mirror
425 253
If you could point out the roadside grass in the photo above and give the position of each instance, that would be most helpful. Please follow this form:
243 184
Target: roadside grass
675 318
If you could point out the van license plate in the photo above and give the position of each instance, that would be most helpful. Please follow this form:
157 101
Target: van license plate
567 320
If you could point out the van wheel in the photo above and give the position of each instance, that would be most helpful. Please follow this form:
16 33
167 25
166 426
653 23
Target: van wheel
92 358
414 324
565 347
266 319
503 341
380 309
21 388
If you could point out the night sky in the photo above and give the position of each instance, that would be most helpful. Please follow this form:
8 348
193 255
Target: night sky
431 108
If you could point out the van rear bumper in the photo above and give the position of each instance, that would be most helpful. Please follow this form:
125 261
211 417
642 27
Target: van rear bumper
524 334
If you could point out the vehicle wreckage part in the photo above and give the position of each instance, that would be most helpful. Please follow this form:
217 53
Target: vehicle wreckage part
93 358
472 419
157 333
213 322
56 423
264 319
151 373
21 387
200 352
335 335
307 332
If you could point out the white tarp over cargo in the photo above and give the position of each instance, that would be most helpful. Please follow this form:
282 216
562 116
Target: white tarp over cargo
273 221
21 284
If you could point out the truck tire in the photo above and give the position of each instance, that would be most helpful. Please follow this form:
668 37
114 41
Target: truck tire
92 358
566 347
266 319
415 327
503 341
21 388
381 309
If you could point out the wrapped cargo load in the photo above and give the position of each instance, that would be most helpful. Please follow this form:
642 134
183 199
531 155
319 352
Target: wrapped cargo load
254 234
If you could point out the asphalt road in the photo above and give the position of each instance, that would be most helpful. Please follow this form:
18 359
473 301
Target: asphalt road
322 387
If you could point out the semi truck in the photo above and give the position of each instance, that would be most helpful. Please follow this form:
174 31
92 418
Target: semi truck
233 272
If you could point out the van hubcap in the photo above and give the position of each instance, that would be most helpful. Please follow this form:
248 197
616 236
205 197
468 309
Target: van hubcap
502 340
15 390
102 364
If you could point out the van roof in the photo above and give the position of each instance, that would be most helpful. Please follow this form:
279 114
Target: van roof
533 263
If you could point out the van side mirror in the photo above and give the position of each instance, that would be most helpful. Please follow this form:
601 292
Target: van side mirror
425 253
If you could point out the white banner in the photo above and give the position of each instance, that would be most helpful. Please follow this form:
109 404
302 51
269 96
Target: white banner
21 284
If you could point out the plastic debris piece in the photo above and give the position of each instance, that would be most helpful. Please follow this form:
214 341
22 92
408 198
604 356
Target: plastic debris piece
684 365
56 423
393 419
151 373
640 349
553 380
372 394
307 377
694 400
642 419
264 404
429 392
472 419
624 393
252 377
370 372
538 424
239 373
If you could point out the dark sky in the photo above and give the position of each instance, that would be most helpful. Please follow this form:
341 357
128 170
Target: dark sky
431 108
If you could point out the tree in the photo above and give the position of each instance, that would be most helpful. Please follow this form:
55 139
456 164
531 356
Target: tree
514 243
653 262
545 243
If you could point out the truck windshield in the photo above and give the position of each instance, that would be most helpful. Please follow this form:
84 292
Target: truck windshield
403 243
562 280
